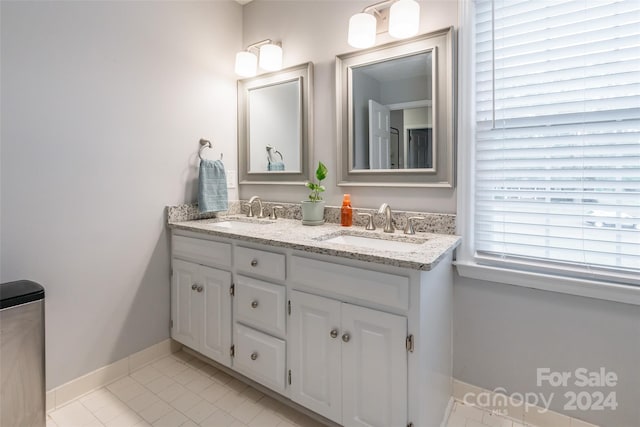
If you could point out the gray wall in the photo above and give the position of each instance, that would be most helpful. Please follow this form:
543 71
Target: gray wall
103 104
503 333
404 90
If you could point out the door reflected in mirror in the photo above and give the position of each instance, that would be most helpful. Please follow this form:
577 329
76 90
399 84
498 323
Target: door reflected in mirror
393 114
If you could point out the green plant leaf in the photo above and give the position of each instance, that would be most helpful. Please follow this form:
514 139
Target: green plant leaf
316 189
321 172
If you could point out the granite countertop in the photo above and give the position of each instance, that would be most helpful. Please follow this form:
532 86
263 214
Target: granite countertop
430 248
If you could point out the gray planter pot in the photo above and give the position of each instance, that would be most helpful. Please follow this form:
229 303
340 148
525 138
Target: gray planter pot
313 212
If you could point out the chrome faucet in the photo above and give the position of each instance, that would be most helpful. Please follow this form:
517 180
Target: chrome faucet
370 225
388 219
250 204
408 229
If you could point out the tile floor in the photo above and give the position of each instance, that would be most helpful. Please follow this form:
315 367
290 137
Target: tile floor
469 416
180 390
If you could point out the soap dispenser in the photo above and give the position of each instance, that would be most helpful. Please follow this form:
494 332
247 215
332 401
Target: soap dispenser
346 212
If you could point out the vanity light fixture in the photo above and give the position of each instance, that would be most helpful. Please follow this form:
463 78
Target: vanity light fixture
270 58
362 30
246 64
401 18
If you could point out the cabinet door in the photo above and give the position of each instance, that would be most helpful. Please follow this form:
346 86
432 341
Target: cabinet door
315 354
374 367
184 303
216 318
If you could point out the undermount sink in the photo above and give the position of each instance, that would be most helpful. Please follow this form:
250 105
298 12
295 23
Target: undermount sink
238 224
376 242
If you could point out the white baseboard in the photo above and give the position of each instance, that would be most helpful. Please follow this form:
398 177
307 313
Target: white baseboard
498 403
75 388
447 412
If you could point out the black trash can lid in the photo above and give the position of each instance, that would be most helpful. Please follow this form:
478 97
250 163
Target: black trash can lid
19 292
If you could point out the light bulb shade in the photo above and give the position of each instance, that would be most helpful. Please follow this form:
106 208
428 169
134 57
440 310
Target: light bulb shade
246 64
404 19
362 30
271 57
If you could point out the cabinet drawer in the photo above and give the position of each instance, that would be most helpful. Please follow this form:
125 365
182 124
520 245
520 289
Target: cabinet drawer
259 262
373 286
201 251
260 304
260 357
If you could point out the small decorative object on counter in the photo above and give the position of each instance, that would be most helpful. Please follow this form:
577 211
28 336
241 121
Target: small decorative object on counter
313 209
346 212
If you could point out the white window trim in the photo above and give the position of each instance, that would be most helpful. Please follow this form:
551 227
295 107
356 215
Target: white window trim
466 263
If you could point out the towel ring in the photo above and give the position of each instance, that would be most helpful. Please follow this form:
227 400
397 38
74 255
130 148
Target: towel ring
205 144
270 148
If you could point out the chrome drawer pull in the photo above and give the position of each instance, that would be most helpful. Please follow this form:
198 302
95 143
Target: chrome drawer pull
200 288
194 287
254 355
254 262
254 304
346 337
334 333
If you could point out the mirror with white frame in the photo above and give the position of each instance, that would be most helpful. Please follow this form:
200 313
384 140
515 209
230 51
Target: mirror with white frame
274 126
396 113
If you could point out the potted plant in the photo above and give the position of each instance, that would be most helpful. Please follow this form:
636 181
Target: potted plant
313 209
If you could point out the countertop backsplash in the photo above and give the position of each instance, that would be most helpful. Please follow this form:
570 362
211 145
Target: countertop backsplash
432 223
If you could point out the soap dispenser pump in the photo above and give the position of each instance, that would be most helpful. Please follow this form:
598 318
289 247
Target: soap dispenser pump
346 212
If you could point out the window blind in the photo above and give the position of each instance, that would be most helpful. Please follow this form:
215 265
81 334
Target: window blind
557 150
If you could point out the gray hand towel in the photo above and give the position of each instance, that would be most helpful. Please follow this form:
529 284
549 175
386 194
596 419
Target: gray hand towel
275 166
212 187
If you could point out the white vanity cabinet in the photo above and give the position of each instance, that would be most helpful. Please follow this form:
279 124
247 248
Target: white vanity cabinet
201 309
360 343
200 298
370 344
348 363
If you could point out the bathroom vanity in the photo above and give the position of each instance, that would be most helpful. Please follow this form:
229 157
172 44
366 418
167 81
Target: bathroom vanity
358 334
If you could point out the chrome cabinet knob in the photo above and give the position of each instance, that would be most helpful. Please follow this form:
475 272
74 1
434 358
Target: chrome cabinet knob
194 287
254 304
254 355
200 288
346 337
334 333
254 262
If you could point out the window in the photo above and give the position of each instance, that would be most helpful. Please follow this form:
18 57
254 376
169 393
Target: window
556 157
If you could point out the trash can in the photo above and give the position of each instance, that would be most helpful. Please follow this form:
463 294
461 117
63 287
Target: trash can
22 381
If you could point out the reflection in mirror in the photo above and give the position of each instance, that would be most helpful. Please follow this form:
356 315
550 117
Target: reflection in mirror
396 113
392 114
275 126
